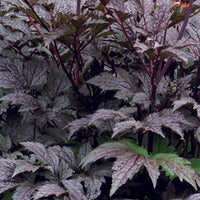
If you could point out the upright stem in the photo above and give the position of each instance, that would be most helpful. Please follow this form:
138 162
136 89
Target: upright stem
78 8
197 82
152 110
161 73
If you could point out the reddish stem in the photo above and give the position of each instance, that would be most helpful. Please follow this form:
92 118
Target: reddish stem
127 36
32 22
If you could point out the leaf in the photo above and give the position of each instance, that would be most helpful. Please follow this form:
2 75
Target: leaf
22 75
195 163
64 170
5 143
26 101
75 125
107 114
24 192
122 127
167 118
66 154
93 185
75 189
16 24
122 15
194 197
154 123
123 83
47 156
124 168
142 99
5 185
7 167
106 150
48 190
177 166
24 166
56 35
84 151
153 170
161 145
187 101
174 52
183 101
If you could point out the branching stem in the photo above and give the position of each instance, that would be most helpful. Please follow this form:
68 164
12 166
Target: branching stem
127 36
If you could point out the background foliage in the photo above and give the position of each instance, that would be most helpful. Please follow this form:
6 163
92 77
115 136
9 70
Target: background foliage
99 100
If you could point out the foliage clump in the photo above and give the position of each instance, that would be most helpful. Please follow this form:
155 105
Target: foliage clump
99 100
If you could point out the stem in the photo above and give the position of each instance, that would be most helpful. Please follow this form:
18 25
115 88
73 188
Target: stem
78 8
152 110
40 20
127 36
32 22
54 47
197 82
34 128
185 22
140 117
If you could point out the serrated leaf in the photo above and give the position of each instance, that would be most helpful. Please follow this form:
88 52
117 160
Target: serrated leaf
113 149
178 166
84 151
122 15
142 99
16 24
167 118
64 170
46 155
161 145
153 170
5 143
195 163
5 185
7 167
24 192
48 190
66 154
24 166
124 168
57 34
107 150
187 100
93 185
174 52
75 125
106 114
121 127
22 75
123 83
26 101
183 101
75 189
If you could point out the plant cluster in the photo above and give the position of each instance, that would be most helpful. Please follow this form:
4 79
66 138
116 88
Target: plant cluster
99 100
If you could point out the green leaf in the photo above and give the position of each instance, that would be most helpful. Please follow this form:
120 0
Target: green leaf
161 145
195 163
136 148
176 165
